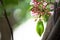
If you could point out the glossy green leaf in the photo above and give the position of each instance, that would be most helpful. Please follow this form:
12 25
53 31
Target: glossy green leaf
40 27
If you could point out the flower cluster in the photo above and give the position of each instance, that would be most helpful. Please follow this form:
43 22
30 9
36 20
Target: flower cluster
40 8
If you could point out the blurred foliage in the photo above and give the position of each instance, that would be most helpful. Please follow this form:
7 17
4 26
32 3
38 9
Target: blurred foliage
18 8
15 5
10 2
22 12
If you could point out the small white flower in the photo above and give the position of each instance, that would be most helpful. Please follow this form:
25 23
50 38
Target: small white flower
31 3
44 3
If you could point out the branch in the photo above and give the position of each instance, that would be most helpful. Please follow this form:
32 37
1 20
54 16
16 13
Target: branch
5 14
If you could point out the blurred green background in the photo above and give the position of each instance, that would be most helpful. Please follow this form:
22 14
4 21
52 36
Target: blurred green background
19 9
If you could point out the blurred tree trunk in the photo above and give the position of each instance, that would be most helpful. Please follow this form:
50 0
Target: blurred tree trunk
5 30
49 27
4 27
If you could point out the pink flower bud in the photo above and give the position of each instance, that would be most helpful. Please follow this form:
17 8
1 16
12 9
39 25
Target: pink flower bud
33 14
52 7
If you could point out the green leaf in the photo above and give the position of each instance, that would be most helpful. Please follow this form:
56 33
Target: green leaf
30 7
46 17
40 27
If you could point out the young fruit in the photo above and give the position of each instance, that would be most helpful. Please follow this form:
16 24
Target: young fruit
40 27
